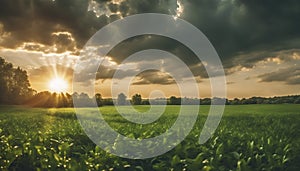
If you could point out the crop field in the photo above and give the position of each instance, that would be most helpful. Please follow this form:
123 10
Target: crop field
249 137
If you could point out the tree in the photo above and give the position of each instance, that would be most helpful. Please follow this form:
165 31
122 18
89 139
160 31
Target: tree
175 101
121 99
137 99
297 100
84 100
48 99
14 84
99 99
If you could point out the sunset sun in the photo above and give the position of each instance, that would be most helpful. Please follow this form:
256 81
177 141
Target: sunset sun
58 85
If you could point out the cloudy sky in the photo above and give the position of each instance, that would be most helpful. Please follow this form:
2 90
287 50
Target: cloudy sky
258 43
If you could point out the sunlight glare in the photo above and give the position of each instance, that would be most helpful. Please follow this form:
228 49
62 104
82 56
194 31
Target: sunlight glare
179 10
58 85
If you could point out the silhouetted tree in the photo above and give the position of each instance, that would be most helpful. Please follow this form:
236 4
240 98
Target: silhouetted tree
83 100
297 100
99 99
14 84
41 99
47 99
146 102
175 101
137 99
108 102
121 99
69 100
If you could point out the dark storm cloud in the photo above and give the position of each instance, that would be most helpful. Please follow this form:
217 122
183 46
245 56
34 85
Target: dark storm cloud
146 77
249 60
241 27
243 32
289 75
130 7
139 43
35 21
154 77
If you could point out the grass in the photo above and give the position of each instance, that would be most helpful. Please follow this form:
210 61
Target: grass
249 137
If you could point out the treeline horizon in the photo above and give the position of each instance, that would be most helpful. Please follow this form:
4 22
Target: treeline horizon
58 100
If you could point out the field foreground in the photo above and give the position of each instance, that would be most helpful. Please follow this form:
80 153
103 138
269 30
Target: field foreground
249 137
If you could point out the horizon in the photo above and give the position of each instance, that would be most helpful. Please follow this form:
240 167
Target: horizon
145 98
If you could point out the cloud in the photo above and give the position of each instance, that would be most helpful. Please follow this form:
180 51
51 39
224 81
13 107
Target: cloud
230 82
234 27
153 77
109 72
251 59
290 75
36 21
243 34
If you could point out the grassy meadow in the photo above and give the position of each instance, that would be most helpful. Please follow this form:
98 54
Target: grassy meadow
249 137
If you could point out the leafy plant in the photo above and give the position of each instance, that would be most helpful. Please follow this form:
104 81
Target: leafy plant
254 137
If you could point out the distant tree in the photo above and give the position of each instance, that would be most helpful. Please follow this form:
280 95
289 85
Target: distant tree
47 99
84 100
235 101
137 99
205 101
121 99
158 101
146 102
259 100
218 101
62 101
244 101
108 102
69 100
99 99
175 101
266 101
81 100
39 100
190 101
75 95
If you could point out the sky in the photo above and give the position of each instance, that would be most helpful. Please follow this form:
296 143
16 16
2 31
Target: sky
257 41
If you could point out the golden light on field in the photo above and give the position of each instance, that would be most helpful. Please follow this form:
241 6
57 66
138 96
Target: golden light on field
58 85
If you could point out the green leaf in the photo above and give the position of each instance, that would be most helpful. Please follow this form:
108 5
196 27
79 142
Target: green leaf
56 157
236 155
175 160
220 149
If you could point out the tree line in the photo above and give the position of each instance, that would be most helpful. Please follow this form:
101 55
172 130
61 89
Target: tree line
47 99
15 89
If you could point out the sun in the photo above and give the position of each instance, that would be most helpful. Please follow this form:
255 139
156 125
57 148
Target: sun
58 85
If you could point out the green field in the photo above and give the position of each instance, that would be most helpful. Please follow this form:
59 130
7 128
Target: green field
249 137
